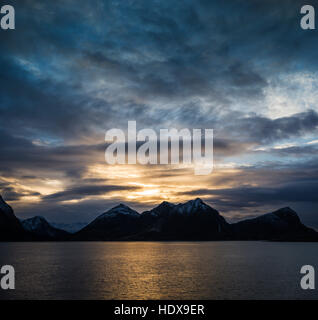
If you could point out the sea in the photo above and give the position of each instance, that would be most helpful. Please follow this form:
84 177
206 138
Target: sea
237 270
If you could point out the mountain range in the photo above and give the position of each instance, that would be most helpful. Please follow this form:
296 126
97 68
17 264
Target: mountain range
193 221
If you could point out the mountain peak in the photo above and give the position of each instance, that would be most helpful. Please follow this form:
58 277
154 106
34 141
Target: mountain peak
165 204
198 201
121 209
123 206
39 226
163 208
34 223
38 219
287 210
287 214
193 206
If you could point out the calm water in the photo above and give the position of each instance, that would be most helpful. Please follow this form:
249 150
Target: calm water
158 270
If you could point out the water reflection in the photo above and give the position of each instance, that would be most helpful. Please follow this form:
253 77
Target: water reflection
158 270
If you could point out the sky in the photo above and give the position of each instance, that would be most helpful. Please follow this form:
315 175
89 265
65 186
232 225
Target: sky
73 69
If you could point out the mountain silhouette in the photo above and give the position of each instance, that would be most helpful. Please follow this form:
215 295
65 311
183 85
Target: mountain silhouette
39 227
34 229
121 222
283 224
193 221
10 226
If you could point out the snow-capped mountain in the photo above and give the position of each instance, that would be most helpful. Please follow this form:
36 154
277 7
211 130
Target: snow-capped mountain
192 207
163 208
41 228
119 222
193 220
185 221
187 208
119 210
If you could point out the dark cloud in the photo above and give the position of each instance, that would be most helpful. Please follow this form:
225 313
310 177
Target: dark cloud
255 130
248 196
88 190
294 151
20 154
139 52
262 129
10 194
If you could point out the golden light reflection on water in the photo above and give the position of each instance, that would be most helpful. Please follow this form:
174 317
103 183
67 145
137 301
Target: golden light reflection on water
157 270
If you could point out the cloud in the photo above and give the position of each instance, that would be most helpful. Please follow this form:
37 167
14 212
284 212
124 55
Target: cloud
11 194
87 190
264 130
249 196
